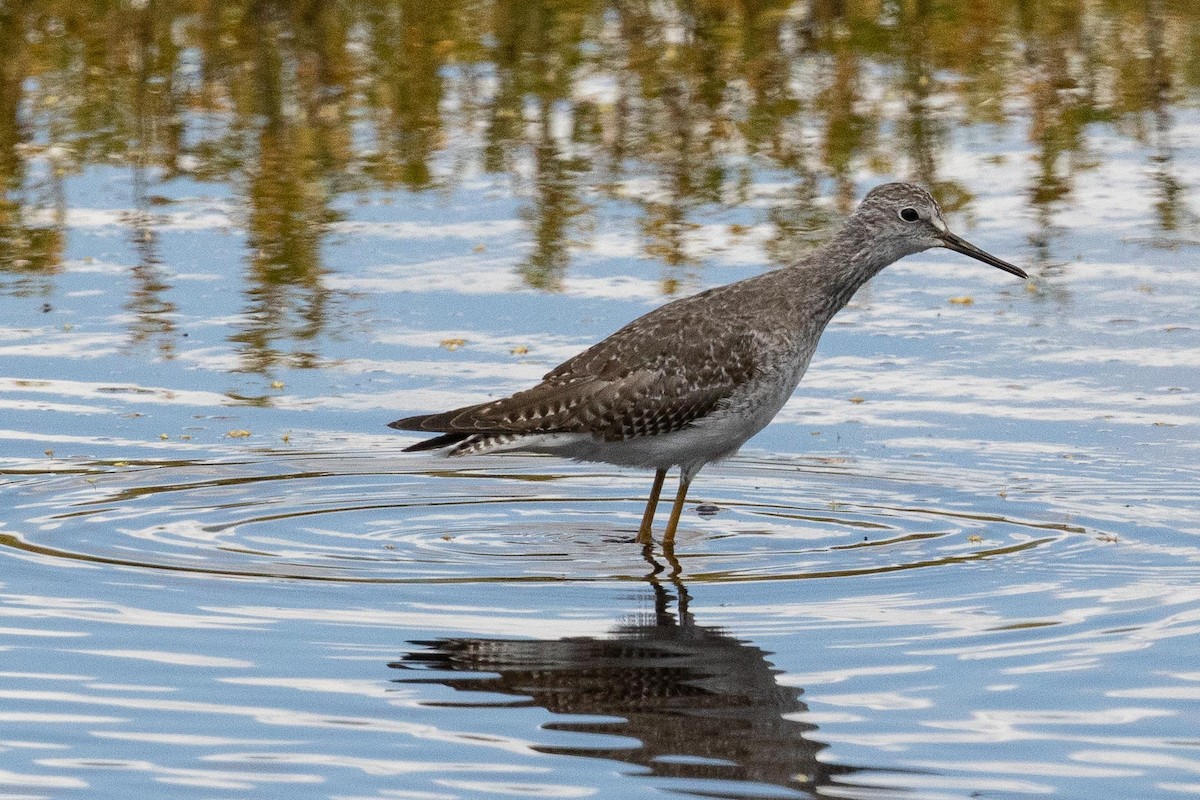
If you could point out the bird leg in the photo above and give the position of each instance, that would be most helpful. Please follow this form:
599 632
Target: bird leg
668 539
643 536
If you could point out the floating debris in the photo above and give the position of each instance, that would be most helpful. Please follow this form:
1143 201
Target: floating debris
962 300
452 344
238 434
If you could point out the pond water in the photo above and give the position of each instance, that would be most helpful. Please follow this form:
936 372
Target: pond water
237 239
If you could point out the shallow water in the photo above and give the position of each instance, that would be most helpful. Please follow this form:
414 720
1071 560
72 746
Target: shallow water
961 563
352 626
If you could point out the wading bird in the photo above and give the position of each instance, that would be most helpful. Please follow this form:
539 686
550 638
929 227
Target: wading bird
691 381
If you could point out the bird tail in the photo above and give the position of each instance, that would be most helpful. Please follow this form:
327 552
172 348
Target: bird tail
427 423
412 423
437 442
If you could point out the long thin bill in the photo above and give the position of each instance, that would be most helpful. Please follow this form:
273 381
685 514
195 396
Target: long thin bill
960 245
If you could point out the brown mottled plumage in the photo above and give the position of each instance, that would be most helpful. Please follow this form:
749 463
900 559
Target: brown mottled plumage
691 381
654 376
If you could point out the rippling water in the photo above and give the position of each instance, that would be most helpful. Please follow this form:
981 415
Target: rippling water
383 625
962 563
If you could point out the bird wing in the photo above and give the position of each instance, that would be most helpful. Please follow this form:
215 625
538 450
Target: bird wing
660 373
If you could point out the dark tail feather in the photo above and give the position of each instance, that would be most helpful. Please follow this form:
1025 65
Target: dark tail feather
437 442
429 424
411 423
434 423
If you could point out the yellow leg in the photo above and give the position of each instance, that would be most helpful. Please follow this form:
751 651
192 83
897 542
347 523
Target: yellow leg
677 509
651 506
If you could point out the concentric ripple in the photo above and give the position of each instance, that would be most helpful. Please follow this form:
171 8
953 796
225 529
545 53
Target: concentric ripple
338 517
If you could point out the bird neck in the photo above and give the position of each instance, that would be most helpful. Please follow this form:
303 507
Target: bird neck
841 266
856 254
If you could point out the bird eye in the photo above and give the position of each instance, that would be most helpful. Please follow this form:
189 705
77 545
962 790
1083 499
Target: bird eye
909 214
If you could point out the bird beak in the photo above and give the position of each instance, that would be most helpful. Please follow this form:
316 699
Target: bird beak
960 245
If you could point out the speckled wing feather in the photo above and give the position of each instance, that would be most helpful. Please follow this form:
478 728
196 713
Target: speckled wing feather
656 375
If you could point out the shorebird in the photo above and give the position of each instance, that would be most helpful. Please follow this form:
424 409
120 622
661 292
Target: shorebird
688 383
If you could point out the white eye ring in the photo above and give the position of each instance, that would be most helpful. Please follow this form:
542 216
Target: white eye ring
909 214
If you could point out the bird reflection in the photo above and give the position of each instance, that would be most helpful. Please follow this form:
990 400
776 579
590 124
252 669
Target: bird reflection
702 704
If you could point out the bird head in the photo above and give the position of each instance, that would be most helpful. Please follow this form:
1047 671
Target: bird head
909 220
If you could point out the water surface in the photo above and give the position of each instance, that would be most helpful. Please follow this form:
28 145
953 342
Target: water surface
237 239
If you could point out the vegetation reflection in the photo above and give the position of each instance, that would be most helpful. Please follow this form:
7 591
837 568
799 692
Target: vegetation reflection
678 110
